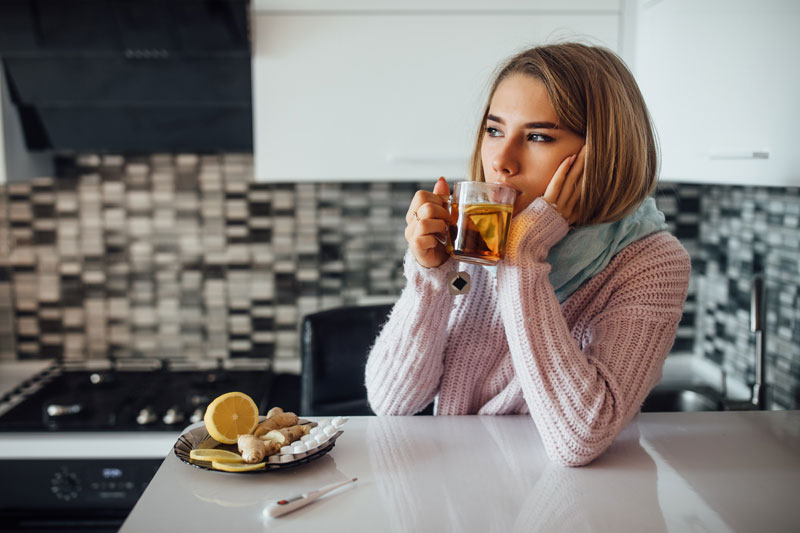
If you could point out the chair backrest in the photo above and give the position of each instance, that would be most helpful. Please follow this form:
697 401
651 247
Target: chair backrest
334 345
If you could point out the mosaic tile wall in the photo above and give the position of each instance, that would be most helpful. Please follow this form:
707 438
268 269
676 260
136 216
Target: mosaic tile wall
745 230
186 257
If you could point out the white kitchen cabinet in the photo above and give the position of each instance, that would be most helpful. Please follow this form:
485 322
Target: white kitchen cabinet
722 81
362 93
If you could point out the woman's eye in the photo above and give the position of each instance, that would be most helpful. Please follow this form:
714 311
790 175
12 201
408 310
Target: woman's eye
539 137
493 132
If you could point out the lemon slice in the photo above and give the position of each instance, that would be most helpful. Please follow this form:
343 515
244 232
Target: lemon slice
231 415
220 456
232 467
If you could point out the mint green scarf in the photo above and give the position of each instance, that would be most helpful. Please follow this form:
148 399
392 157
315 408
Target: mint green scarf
587 250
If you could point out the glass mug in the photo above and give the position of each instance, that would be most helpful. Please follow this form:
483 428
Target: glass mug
480 215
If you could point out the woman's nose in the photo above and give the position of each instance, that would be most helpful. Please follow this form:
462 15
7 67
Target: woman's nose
504 162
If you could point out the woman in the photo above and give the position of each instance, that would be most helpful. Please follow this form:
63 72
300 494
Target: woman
574 325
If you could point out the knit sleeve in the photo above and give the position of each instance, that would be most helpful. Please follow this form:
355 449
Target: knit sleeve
582 392
405 365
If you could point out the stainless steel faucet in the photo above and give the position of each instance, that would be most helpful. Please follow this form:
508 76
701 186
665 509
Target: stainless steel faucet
758 325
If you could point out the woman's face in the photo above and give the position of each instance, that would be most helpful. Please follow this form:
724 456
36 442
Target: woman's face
523 142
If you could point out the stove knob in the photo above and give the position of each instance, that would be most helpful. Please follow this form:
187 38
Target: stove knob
197 415
101 378
200 399
55 410
65 485
146 416
173 415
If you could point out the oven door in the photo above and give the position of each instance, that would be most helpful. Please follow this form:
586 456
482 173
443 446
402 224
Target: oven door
78 482
78 494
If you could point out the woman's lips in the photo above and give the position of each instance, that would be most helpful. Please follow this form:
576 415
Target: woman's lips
509 185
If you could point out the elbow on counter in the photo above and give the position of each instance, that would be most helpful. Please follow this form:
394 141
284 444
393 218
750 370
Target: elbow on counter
379 401
378 407
573 447
382 405
385 403
388 395
373 383
569 459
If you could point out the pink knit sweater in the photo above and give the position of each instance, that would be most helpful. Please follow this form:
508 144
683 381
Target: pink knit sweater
581 369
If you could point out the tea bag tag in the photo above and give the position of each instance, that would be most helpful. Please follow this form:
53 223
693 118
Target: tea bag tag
458 283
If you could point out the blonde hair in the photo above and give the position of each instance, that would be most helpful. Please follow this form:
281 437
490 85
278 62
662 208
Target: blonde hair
595 95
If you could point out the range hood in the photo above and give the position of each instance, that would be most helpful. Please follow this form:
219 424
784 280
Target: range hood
129 75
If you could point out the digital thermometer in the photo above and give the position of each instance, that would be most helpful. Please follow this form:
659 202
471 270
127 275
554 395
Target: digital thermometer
281 507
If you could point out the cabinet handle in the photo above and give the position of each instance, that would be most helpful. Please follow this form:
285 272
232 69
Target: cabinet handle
762 154
421 159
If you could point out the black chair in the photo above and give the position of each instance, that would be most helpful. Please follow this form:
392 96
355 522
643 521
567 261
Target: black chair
334 345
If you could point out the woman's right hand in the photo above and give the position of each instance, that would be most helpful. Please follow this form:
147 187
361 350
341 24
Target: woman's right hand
426 219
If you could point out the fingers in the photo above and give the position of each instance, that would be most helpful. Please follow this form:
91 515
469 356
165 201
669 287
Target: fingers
426 227
568 190
426 206
579 187
426 224
427 218
426 242
423 236
564 190
429 226
441 188
553 190
438 198
425 247
573 200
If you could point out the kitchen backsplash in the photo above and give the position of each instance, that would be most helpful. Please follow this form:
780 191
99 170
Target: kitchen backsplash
744 231
185 256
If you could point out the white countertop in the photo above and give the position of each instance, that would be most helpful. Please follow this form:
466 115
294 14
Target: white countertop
726 471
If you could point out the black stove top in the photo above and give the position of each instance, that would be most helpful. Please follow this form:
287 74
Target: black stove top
161 399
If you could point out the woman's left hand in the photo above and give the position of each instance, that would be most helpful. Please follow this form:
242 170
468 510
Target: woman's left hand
564 189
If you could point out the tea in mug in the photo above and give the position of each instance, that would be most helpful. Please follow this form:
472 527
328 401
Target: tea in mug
478 232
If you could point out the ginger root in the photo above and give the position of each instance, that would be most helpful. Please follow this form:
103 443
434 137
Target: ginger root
276 419
285 436
274 411
254 449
